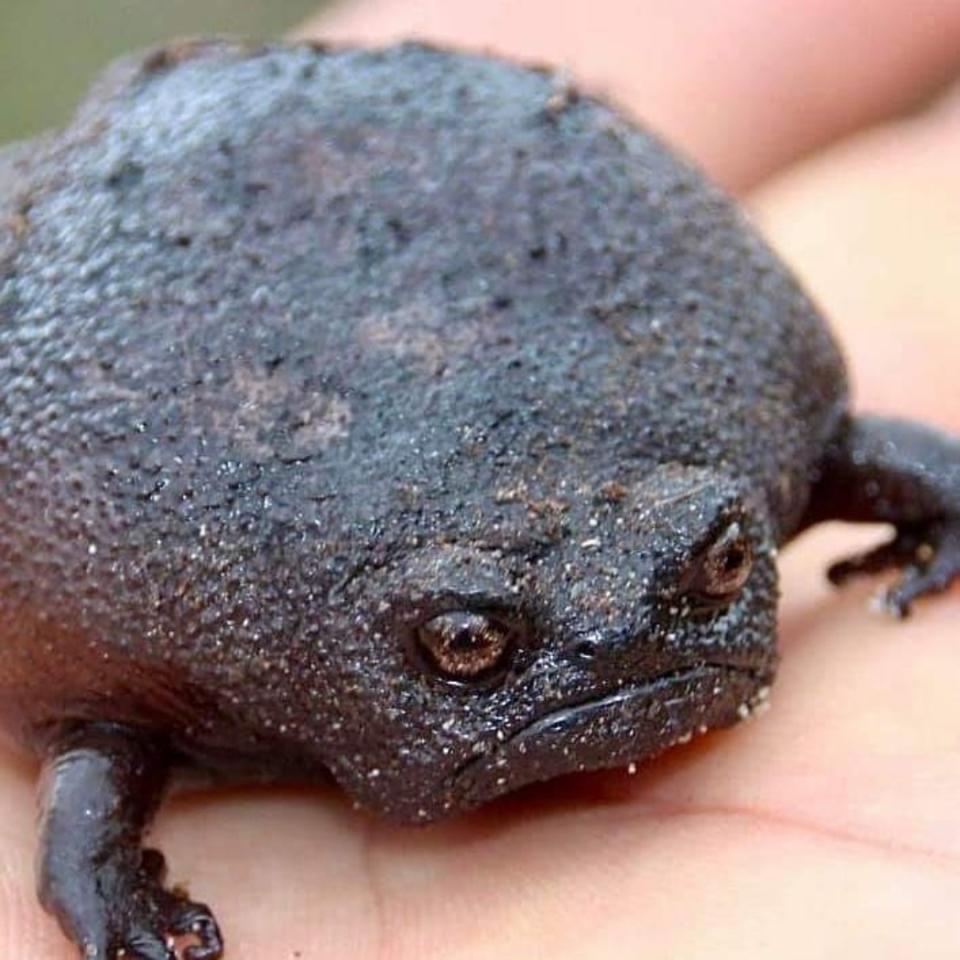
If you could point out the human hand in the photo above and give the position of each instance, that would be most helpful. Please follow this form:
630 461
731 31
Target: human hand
827 827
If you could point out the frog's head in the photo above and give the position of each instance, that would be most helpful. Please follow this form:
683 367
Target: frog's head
588 632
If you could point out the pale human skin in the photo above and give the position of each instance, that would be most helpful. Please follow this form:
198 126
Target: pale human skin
828 827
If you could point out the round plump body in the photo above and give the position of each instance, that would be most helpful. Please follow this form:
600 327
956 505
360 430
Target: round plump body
301 350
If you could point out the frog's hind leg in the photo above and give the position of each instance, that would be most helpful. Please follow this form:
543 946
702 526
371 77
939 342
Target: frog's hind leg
893 471
101 786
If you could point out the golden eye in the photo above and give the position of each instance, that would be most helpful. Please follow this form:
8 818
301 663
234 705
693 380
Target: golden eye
722 570
465 646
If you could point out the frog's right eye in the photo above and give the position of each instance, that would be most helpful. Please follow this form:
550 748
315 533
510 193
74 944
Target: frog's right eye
466 646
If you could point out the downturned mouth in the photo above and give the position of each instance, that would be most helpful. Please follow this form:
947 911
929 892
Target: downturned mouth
626 726
566 717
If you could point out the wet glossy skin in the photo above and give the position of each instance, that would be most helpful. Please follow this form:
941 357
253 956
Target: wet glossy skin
318 368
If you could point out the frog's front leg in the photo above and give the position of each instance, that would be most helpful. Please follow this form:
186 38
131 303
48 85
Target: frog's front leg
101 786
893 471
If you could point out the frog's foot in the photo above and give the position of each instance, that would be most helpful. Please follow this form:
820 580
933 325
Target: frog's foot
928 555
101 785
119 911
891 471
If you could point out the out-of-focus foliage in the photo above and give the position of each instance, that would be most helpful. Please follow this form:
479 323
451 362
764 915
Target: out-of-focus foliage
51 49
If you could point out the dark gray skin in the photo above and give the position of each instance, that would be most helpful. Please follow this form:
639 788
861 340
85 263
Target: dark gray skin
398 415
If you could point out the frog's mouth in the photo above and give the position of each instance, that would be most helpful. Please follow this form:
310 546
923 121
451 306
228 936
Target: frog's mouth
627 726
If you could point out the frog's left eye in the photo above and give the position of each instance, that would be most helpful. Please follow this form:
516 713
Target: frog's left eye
466 646
722 569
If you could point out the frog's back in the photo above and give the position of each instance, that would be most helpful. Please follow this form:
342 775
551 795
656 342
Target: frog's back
311 279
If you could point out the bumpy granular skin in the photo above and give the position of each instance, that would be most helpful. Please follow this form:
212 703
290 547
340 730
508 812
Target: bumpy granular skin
300 349
293 343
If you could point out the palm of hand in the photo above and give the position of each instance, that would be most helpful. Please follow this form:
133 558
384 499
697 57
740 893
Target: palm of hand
827 828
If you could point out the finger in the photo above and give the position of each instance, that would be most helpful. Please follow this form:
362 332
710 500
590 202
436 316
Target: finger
871 227
744 86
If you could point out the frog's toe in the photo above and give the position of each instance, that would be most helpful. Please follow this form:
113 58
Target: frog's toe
928 555
905 549
936 570
167 917
172 918
153 933
195 920
134 945
146 946
148 923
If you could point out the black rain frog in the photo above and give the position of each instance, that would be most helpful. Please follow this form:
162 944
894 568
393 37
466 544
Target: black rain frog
392 415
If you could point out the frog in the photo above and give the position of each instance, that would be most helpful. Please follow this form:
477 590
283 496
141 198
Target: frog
402 417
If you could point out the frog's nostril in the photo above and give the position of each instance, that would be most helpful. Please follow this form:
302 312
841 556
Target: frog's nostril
586 649
597 645
604 644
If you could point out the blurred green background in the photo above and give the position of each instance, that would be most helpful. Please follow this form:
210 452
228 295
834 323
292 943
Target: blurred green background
51 49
